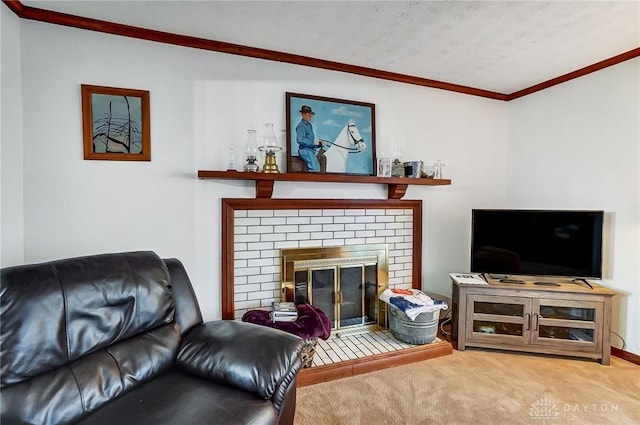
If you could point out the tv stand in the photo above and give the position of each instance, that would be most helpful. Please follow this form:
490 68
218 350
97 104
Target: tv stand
562 318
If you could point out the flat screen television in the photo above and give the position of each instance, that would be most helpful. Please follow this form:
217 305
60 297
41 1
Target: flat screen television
537 242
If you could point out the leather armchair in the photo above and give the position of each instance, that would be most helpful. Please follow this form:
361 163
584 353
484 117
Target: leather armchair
119 338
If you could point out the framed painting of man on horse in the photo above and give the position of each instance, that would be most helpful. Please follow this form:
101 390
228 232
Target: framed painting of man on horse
327 135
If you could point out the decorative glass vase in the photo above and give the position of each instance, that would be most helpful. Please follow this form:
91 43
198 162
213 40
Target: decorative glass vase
437 166
231 160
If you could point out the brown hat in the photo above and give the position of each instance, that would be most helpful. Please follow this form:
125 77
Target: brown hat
306 109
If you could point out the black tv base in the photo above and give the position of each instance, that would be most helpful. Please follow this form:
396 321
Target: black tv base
545 283
507 280
585 281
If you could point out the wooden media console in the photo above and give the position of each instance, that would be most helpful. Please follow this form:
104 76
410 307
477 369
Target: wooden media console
535 314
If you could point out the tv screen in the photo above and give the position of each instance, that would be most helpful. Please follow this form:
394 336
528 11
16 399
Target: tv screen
537 242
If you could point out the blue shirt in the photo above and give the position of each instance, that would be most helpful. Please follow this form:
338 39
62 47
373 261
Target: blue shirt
305 136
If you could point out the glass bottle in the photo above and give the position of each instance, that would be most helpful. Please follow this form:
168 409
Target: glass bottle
251 152
397 167
438 165
231 158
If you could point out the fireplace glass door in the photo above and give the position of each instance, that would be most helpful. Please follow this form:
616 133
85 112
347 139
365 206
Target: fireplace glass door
348 294
344 282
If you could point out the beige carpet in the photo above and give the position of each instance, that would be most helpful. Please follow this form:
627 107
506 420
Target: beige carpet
477 387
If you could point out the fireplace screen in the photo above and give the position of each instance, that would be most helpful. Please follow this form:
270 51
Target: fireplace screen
344 282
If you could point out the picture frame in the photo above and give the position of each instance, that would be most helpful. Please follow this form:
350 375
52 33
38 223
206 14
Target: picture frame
115 123
345 130
384 167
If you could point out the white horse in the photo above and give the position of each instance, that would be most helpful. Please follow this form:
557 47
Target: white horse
349 141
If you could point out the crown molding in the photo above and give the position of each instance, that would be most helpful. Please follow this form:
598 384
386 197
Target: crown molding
575 74
47 16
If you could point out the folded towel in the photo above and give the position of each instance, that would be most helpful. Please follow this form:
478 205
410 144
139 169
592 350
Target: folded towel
414 304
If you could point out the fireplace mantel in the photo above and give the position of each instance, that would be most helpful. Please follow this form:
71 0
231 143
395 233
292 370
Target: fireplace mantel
397 186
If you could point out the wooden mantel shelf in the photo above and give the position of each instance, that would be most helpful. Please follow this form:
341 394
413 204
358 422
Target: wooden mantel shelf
397 186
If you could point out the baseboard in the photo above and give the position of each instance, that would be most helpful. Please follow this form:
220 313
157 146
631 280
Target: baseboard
625 355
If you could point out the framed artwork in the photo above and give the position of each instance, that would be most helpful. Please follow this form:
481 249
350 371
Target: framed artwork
115 124
384 167
329 135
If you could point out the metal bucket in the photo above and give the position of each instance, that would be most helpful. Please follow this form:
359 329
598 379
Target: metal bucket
417 332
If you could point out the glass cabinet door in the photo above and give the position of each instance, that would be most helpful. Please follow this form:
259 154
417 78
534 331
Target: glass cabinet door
565 322
498 317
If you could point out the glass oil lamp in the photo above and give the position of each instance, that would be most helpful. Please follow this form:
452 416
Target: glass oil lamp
269 147
251 153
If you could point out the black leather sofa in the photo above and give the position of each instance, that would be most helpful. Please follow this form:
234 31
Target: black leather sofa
119 339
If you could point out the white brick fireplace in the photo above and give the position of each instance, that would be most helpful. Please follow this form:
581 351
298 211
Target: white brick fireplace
255 232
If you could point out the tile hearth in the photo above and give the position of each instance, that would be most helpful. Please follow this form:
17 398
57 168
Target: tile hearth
354 354
340 348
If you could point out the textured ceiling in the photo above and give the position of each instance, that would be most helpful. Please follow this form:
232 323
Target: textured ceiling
501 46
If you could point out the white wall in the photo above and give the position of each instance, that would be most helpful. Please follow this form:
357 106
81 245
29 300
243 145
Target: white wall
201 104
11 158
577 146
